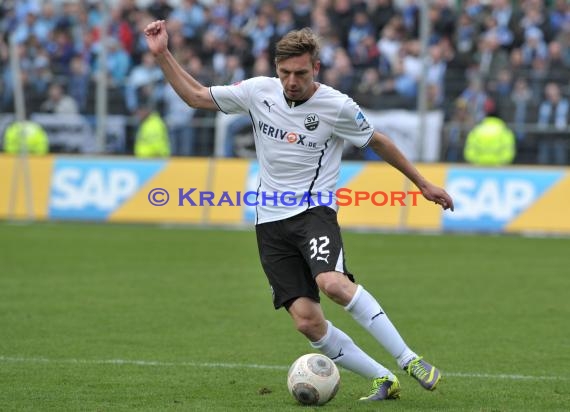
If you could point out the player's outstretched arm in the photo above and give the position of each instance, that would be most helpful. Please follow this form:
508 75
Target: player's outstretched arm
188 88
388 151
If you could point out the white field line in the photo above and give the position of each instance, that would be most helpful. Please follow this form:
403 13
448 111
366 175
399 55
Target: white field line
223 365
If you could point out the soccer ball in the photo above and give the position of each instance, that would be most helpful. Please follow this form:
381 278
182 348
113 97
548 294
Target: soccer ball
313 379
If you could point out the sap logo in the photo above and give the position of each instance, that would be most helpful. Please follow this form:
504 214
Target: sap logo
78 188
498 199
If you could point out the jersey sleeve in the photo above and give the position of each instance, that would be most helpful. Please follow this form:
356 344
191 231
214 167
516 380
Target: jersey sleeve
233 98
352 125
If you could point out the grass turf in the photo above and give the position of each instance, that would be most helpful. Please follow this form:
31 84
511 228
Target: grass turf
112 318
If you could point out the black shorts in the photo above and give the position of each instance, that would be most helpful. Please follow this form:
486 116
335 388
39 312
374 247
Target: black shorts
295 250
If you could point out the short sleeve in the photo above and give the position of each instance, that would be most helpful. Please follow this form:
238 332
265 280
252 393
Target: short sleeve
352 125
233 98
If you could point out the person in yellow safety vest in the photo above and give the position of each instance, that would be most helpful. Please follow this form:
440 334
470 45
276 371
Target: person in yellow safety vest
491 142
26 136
152 135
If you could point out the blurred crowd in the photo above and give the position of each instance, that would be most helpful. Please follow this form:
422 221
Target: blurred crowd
516 53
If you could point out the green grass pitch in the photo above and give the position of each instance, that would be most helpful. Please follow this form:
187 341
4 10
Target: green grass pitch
122 318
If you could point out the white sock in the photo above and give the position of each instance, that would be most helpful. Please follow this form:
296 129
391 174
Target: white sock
367 311
338 346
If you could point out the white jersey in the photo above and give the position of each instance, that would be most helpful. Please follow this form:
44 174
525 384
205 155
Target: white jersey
299 148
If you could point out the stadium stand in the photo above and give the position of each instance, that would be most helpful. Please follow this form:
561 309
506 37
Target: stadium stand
478 49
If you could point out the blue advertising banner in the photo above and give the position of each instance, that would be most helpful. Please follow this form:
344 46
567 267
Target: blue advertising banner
488 199
94 188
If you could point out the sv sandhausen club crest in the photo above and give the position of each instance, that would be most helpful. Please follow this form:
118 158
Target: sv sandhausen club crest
311 121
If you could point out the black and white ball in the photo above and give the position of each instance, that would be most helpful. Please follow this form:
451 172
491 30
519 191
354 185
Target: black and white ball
313 379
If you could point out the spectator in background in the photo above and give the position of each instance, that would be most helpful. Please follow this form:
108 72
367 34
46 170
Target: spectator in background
360 28
261 33
145 73
218 23
521 99
118 63
178 117
475 96
442 19
534 46
559 15
240 45
535 17
27 136
120 29
491 142
139 42
241 123
240 13
501 34
284 23
341 13
341 75
366 54
45 22
372 88
390 42
553 119
539 75
506 18
61 50
563 38
302 13
178 42
490 56
331 43
411 15
475 10
501 86
558 68
78 83
152 134
82 33
408 69
67 16
465 37
321 23
36 69
381 11
191 14
436 69
58 101
160 9
517 65
232 72
26 28
461 122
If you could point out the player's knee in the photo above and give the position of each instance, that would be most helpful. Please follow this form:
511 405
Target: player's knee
335 285
311 327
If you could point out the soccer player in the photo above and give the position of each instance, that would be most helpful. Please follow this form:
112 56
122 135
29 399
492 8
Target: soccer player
300 127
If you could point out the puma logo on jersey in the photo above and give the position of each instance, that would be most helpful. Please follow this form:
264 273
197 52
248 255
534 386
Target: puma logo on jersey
326 258
265 102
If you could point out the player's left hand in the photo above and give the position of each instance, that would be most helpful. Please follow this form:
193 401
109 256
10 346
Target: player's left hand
437 195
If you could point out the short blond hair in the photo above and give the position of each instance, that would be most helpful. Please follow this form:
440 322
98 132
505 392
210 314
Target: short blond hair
296 43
